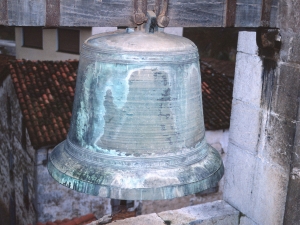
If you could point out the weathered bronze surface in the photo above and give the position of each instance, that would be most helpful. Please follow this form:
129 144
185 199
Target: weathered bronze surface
137 128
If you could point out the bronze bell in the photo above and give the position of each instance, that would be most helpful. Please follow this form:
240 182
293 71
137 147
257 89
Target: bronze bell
137 129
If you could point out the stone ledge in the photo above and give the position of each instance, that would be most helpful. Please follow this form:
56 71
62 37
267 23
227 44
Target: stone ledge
217 213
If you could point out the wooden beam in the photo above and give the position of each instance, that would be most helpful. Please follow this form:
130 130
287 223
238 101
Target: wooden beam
3 12
108 13
230 13
52 13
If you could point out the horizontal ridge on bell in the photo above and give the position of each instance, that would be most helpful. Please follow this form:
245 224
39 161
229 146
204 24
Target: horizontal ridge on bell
137 129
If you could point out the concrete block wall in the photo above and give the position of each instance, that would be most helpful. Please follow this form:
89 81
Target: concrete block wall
260 138
289 102
17 180
57 202
212 213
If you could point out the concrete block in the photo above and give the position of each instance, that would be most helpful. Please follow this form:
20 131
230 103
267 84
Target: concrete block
217 213
244 220
286 91
247 42
239 179
290 46
245 125
269 194
255 187
218 139
152 219
278 141
248 79
157 206
292 215
289 19
41 155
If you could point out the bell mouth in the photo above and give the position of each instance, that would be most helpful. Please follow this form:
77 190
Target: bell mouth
135 183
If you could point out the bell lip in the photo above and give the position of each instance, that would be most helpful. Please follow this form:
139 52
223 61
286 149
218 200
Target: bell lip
148 193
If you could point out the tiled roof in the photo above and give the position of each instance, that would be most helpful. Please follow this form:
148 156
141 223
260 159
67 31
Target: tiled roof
4 59
45 90
217 87
83 220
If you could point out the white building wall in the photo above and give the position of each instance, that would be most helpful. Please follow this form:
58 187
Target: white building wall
50 46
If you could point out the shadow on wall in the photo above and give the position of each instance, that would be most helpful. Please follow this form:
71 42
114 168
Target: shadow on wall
218 43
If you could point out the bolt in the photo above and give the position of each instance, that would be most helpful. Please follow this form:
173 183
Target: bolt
163 21
139 18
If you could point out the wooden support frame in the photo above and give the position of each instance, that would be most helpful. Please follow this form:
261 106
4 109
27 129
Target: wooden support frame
107 13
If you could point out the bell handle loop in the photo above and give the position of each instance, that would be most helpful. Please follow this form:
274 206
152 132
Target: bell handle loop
140 11
162 19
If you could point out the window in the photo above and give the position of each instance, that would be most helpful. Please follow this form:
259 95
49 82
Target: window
68 41
33 37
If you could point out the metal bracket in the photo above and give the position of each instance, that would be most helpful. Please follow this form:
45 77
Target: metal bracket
140 11
162 18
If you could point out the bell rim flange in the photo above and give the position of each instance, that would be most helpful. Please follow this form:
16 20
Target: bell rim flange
139 194
150 193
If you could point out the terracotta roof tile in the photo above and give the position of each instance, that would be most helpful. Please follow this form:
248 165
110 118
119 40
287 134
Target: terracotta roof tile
5 67
217 87
42 96
45 90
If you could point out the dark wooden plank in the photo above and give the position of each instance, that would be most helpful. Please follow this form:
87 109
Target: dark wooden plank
230 13
26 12
52 13
3 12
248 13
269 13
266 13
192 13
197 13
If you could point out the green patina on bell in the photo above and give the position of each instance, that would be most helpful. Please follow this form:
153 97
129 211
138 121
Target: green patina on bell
137 129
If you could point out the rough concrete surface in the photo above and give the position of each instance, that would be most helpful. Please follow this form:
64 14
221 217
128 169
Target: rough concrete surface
148 219
269 194
239 178
244 220
289 25
212 213
286 90
16 162
245 125
56 202
277 141
247 43
218 213
261 137
248 82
